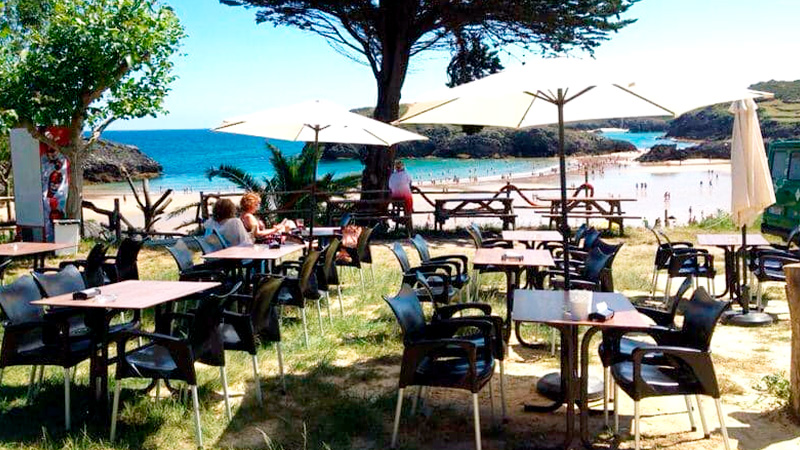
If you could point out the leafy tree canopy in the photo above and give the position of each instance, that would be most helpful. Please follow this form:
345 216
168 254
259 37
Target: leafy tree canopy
474 60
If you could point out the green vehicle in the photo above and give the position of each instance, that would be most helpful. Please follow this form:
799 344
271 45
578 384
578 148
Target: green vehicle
784 164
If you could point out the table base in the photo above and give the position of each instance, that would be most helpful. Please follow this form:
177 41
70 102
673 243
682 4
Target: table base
746 319
550 387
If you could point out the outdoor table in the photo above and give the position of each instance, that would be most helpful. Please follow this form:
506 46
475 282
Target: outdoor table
532 237
125 295
36 249
608 208
257 252
322 232
729 243
494 257
552 308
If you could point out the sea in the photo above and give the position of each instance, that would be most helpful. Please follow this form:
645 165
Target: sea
186 155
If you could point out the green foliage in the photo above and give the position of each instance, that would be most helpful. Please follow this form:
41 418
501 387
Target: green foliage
776 385
788 91
719 221
472 61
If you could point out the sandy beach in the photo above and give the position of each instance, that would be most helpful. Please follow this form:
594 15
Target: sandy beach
700 186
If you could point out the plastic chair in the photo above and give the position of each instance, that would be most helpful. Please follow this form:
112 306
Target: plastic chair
359 256
459 263
664 252
680 364
328 276
187 269
124 266
301 287
92 266
437 277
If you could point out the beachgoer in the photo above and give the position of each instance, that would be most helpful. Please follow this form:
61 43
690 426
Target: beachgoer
248 206
225 222
400 186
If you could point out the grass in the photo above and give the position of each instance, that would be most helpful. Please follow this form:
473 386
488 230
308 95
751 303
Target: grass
341 388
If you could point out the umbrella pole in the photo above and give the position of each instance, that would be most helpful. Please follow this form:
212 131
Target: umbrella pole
563 172
744 294
314 189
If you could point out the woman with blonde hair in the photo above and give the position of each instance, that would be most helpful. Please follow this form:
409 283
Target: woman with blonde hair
248 206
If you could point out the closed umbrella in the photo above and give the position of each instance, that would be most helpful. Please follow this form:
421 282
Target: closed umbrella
752 190
317 121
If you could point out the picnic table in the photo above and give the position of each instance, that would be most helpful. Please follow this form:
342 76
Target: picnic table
496 207
608 208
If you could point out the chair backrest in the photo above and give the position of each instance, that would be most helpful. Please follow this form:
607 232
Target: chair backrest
596 261
579 233
421 245
475 233
182 255
364 253
16 298
609 249
94 274
345 219
793 238
306 274
402 257
264 311
675 301
211 243
65 281
127 259
329 262
700 317
590 237
408 311
204 336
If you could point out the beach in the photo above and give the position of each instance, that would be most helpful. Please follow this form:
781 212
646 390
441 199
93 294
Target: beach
699 186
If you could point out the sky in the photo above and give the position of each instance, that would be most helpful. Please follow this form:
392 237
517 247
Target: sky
231 66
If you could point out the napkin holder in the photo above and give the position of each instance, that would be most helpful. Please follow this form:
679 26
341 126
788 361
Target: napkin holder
512 256
601 316
86 294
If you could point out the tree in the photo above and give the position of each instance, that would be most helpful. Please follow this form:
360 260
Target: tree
386 34
82 64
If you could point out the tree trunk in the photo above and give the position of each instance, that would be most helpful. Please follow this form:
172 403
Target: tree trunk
394 65
75 192
793 298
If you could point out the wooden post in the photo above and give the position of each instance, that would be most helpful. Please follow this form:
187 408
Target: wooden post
792 272
116 222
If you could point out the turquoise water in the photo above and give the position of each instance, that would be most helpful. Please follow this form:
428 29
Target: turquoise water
187 154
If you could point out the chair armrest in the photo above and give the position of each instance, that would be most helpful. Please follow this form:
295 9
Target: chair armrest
699 362
416 352
497 243
662 318
447 311
497 323
75 262
451 326
461 262
446 267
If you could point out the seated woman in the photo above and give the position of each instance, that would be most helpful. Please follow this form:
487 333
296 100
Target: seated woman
248 206
225 222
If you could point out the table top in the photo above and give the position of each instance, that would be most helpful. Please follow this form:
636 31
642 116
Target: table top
530 258
322 231
552 307
31 248
132 294
728 240
474 199
259 252
532 235
588 199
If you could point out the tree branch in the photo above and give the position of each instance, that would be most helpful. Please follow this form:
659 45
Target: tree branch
39 136
99 130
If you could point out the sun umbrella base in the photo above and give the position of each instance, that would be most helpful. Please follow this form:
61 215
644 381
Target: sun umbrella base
550 387
749 319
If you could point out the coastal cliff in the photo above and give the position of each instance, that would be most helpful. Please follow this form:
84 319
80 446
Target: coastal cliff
105 160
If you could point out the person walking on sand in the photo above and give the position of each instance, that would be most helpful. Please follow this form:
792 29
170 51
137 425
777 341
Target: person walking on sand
400 186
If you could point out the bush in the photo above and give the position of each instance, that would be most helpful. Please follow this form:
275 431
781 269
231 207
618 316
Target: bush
777 386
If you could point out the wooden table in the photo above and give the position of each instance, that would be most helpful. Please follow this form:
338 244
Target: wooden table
494 257
125 295
322 231
532 237
552 308
728 243
499 207
36 249
608 208
258 252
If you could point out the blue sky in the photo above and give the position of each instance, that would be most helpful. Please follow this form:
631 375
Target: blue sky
231 66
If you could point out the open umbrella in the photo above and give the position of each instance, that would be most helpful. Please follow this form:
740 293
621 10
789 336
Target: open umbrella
538 95
752 190
316 121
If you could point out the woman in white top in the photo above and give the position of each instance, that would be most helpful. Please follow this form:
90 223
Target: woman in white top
225 222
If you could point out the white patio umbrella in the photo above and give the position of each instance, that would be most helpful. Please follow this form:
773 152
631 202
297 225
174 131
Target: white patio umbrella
752 190
537 95
317 121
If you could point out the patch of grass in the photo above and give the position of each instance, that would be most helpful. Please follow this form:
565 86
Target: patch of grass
776 386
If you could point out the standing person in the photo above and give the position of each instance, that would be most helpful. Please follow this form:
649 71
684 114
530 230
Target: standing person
248 206
224 221
400 186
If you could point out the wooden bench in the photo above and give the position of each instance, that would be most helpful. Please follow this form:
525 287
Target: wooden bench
494 207
365 211
611 218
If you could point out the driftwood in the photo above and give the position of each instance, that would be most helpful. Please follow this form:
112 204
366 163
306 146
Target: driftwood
153 211
793 298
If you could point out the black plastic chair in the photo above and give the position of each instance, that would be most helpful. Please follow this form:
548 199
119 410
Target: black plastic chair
359 256
187 269
256 322
593 274
480 242
437 277
328 276
432 359
92 266
459 263
664 252
680 364
33 338
345 220
173 356
696 263
301 287
766 266
124 266
211 243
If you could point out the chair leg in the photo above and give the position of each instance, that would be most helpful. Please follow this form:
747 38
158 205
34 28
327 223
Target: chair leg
196 404
319 316
702 417
477 421
616 407
67 409
502 391
606 370
667 289
688 401
257 380
397 412
491 400
415 400
722 426
41 379
654 282
115 410
339 294
223 377
305 327
372 271
636 424
328 305
280 365
31 386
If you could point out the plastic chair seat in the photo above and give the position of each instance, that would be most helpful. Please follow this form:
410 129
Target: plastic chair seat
660 380
151 361
35 352
442 371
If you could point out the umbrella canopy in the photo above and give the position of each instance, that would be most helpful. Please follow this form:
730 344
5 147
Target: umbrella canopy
752 189
317 121
538 95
